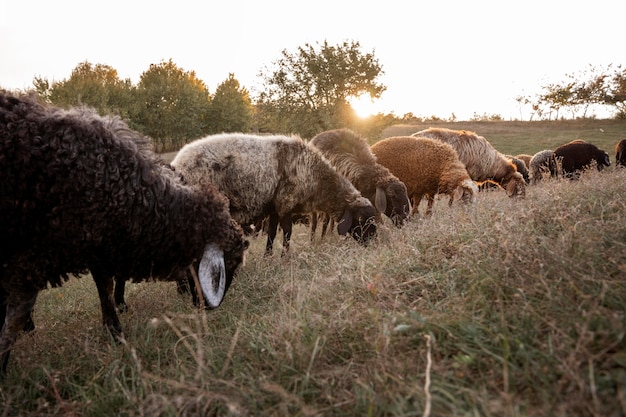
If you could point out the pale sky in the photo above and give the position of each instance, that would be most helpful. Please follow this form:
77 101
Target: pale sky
438 57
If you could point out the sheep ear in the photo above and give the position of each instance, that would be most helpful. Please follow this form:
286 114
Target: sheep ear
380 201
345 223
212 275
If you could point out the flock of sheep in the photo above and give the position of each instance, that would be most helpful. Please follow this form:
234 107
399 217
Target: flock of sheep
82 192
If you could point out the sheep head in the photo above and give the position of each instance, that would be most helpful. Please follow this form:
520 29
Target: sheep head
396 204
515 185
359 220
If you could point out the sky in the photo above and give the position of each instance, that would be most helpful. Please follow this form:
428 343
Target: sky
439 58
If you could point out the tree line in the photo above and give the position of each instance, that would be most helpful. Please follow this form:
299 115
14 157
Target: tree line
303 92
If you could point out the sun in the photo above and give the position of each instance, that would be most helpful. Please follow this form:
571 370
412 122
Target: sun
363 105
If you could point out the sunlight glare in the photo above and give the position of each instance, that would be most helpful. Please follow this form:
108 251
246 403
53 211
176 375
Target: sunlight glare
363 105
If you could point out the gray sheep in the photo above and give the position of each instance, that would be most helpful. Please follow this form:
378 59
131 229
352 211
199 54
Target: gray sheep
276 176
540 165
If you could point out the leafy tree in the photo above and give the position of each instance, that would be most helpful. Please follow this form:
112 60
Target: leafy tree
307 92
616 91
231 108
97 86
174 106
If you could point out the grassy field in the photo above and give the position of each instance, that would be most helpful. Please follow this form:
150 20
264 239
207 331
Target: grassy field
530 137
502 308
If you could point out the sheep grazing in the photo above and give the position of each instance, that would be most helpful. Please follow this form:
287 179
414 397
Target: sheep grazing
521 167
79 193
276 176
570 159
525 157
352 157
620 153
540 165
482 161
427 167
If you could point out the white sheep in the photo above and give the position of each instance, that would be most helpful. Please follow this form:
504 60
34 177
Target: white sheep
276 176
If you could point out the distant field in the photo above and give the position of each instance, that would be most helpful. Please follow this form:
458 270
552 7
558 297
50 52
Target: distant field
521 137
530 137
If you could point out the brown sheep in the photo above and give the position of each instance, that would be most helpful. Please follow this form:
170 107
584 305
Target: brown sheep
482 161
352 157
620 153
427 167
521 167
526 158
570 159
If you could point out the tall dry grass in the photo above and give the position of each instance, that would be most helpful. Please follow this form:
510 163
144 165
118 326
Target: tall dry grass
502 308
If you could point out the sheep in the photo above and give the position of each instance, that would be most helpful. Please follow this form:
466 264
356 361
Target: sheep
525 157
540 165
276 176
521 167
571 158
81 192
351 156
620 153
482 161
427 167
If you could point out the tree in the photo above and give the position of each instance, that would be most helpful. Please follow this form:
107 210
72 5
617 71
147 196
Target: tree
97 86
231 108
307 92
174 106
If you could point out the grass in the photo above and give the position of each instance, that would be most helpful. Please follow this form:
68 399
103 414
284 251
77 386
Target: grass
502 308
530 137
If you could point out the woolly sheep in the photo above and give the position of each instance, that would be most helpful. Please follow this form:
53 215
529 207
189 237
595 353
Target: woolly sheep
276 176
525 157
482 161
521 167
620 153
351 156
427 167
540 165
570 159
82 192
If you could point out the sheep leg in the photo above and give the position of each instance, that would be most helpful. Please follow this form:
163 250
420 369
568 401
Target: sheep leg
272 228
286 223
313 217
17 310
110 319
120 286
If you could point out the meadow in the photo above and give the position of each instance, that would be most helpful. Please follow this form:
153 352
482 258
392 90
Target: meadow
501 308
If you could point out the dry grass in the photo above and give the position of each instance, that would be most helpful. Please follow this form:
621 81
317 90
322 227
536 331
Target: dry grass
502 308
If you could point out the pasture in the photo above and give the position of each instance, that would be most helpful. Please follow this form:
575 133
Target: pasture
501 308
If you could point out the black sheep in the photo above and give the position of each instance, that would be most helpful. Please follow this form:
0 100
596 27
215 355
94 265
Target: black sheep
620 153
573 157
81 192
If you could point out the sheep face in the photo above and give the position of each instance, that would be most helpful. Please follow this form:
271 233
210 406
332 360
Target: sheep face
466 192
515 185
359 221
397 206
